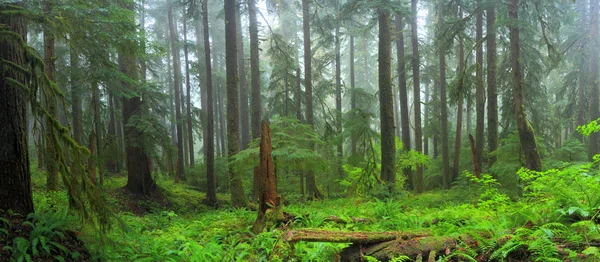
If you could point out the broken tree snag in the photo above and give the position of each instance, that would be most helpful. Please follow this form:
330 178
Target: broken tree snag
269 203
424 247
476 166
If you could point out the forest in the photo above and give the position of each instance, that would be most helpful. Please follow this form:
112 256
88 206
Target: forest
299 130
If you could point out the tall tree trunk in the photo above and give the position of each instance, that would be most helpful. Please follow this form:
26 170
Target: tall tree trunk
51 157
255 70
244 115
15 189
353 90
238 197
594 141
177 83
459 103
211 195
75 97
111 165
479 89
311 184
171 98
417 94
120 137
188 87
492 88
526 135
386 105
97 126
444 107
338 96
298 97
222 124
404 117
583 68
139 178
431 102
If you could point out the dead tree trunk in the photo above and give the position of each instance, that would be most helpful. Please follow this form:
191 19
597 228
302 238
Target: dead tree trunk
267 189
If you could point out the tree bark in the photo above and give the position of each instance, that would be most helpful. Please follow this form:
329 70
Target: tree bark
492 87
211 195
526 135
255 70
75 97
417 94
177 83
583 68
244 115
298 96
311 184
404 117
459 103
15 189
238 196
139 178
338 96
479 89
443 103
594 140
386 105
353 90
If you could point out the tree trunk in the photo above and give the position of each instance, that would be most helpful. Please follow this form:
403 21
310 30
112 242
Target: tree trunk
238 196
479 89
311 184
111 161
459 103
51 154
139 178
211 195
594 141
15 189
492 88
353 90
188 94
267 189
338 96
93 157
526 135
244 115
298 97
75 97
386 105
177 83
417 94
97 127
583 68
255 70
444 107
222 125
404 117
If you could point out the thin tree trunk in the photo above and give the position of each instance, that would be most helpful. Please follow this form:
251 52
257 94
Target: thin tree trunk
75 98
244 115
459 103
97 127
238 197
298 96
211 196
188 87
15 189
353 90
479 88
176 86
255 70
404 116
426 139
583 68
594 140
311 184
338 96
222 124
444 107
492 88
526 135
417 94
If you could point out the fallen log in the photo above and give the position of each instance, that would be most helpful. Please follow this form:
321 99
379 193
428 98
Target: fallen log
318 235
340 220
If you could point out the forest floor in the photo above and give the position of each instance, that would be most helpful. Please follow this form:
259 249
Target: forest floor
482 223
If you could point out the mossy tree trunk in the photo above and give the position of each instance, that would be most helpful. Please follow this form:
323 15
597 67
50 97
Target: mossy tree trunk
15 189
51 155
244 113
255 70
238 196
386 105
139 178
404 117
492 87
526 135
177 83
479 88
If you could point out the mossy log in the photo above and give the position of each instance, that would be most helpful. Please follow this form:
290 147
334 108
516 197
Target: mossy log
319 235
341 220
